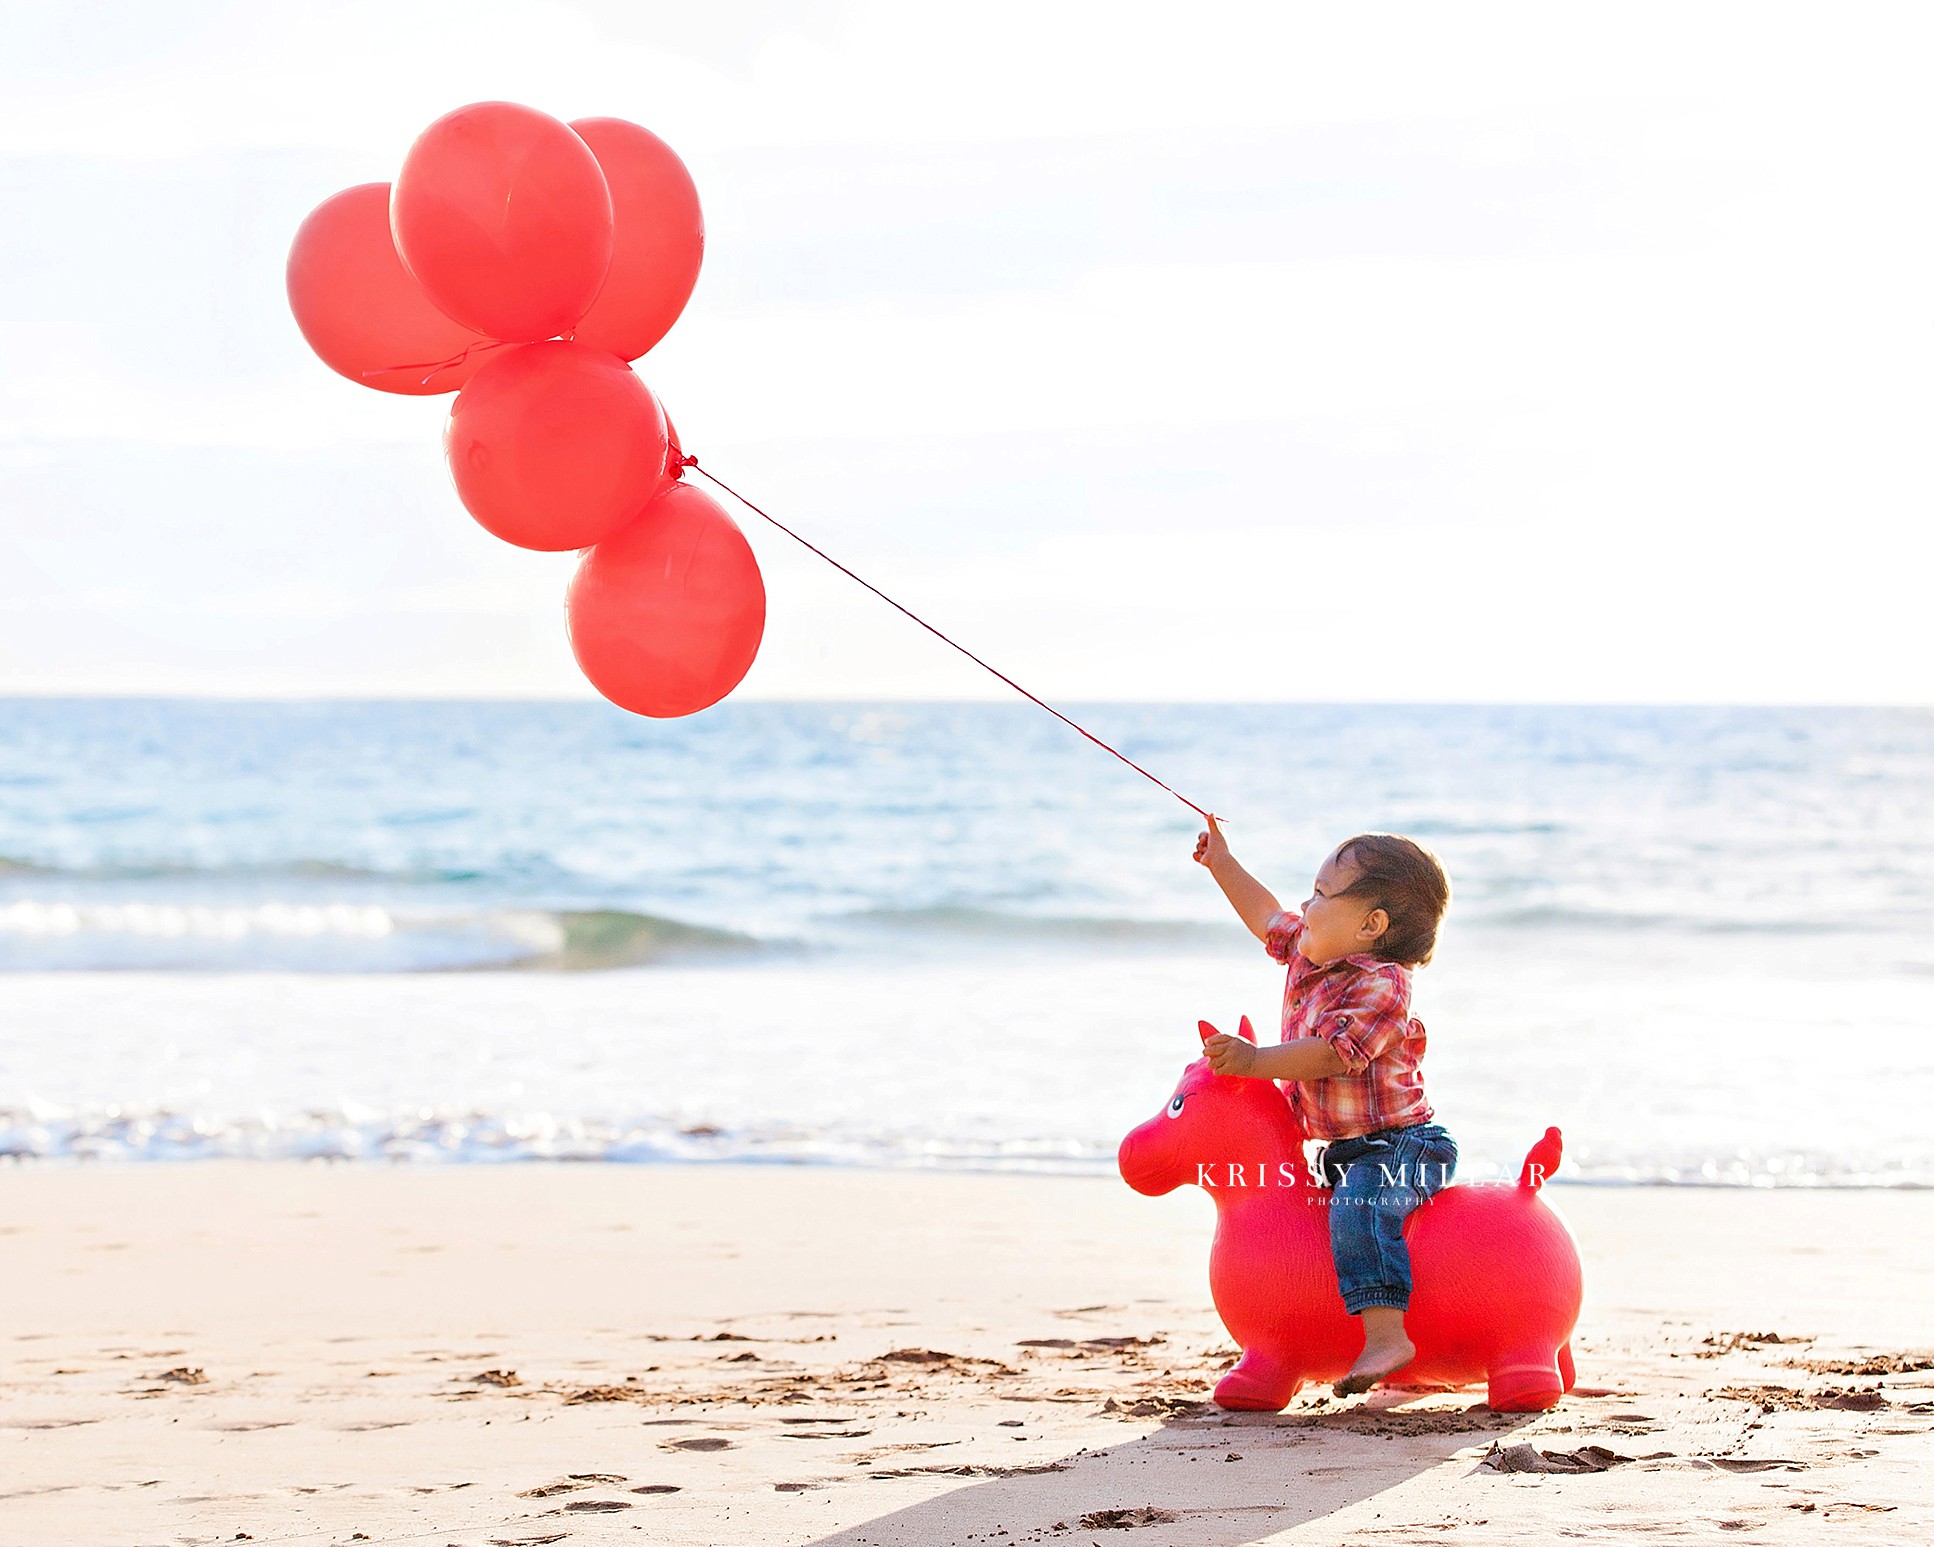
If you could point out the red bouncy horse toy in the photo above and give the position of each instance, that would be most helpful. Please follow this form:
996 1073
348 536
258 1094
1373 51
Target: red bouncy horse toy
1497 1277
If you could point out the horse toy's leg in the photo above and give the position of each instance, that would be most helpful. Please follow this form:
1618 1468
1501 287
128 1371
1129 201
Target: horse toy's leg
1525 1382
1264 1380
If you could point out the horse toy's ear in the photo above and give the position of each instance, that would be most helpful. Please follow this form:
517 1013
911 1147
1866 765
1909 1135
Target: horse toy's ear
1207 1030
1246 1031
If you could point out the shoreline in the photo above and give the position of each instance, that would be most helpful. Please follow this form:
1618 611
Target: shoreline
827 1354
1101 1170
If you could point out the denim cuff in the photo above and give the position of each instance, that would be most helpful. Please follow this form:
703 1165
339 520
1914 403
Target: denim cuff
1388 1296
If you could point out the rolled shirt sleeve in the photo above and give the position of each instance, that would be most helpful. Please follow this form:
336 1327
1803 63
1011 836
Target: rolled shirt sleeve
1283 931
1370 1020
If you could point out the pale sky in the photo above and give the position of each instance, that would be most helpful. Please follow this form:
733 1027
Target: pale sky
1283 351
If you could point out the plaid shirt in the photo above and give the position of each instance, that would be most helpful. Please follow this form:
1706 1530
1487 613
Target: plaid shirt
1361 1006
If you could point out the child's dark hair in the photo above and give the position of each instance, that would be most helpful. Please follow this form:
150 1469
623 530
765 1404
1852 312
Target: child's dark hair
1406 881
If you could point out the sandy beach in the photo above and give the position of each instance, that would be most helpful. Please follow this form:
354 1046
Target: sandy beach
704 1355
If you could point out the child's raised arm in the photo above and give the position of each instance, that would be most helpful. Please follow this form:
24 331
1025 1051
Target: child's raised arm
1253 902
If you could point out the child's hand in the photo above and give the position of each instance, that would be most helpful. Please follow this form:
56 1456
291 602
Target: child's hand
1230 1055
1211 848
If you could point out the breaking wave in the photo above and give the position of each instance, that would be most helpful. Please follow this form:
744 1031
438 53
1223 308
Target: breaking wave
342 937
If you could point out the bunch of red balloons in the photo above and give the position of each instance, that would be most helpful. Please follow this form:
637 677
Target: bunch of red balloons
521 262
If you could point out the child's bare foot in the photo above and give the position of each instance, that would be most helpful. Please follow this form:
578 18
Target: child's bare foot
1385 1351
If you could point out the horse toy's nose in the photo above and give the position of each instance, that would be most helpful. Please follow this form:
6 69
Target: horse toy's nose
1142 1169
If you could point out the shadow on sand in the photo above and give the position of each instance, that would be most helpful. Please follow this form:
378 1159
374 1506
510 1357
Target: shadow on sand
1204 1479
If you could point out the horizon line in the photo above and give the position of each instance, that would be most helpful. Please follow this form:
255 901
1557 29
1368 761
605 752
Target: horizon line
111 696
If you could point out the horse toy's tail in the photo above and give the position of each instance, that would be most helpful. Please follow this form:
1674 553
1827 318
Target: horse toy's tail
1542 1160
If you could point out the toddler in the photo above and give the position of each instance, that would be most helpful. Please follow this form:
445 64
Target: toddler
1349 1059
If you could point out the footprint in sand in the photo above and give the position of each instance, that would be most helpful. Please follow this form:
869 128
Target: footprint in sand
825 1434
1877 1364
574 1482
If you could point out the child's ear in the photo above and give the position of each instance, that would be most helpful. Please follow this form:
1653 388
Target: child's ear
1246 1031
1376 924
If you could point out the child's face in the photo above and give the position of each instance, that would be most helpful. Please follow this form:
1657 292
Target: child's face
1335 926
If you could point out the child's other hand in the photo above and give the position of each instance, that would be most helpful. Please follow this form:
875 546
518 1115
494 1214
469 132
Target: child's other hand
1211 848
1230 1055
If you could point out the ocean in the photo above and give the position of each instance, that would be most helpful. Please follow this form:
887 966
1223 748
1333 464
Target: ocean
1700 941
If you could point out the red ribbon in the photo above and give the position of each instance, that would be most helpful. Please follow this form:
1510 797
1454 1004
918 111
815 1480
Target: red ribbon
692 462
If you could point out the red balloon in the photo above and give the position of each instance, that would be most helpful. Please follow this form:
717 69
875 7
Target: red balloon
502 215
555 446
666 615
659 238
360 310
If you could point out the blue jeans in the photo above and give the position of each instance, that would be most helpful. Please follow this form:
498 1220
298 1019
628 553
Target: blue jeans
1376 1179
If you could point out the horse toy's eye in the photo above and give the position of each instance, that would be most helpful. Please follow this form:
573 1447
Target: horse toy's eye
1174 1107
